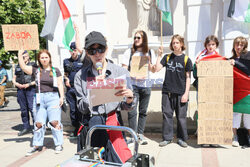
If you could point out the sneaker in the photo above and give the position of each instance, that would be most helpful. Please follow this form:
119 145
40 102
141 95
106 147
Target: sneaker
142 139
164 143
33 150
1 106
182 143
214 145
235 142
58 149
6 103
205 145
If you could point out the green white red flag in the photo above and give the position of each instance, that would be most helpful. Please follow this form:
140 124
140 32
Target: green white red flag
241 91
58 26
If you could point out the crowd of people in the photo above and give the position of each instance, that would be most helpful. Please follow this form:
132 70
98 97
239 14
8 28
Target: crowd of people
40 91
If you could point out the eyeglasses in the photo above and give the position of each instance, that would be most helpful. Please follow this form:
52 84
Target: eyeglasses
93 51
137 38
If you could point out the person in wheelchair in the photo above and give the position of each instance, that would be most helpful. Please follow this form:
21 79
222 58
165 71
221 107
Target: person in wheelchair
101 69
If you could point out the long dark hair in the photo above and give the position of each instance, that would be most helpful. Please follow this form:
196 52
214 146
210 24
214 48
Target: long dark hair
239 40
50 62
144 42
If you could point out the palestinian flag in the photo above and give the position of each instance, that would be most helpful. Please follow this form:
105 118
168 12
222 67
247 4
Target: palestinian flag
239 10
242 86
58 26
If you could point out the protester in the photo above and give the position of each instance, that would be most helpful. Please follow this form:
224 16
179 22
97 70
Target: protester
96 49
47 103
3 79
141 85
71 66
175 90
25 93
211 44
239 50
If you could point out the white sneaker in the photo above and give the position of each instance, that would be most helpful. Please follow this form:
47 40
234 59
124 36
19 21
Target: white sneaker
32 150
235 142
142 139
58 149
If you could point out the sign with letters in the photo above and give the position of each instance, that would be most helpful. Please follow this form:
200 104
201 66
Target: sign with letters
20 36
215 102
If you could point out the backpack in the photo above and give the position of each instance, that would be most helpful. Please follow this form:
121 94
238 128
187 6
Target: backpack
149 52
185 59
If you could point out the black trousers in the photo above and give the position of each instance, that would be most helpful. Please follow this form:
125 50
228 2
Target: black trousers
172 102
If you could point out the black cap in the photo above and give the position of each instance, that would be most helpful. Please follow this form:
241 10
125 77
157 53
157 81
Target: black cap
94 38
73 46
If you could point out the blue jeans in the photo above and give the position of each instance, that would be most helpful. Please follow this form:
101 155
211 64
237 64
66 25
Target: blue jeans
48 108
143 97
25 100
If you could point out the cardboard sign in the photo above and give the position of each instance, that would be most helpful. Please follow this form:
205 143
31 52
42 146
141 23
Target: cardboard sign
215 102
215 89
139 66
18 37
215 132
214 68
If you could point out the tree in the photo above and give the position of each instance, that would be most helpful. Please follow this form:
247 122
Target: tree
20 12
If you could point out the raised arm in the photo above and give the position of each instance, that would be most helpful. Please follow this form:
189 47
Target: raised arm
24 67
158 66
78 42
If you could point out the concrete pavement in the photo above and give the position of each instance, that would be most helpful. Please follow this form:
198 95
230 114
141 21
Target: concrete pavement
14 148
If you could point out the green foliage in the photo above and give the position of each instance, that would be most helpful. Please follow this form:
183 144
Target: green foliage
20 12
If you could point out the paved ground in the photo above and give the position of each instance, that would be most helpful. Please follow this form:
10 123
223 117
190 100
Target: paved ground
13 148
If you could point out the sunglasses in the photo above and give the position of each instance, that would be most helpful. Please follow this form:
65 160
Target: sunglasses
137 38
93 51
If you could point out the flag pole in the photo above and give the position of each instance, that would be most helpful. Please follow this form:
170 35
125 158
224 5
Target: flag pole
161 30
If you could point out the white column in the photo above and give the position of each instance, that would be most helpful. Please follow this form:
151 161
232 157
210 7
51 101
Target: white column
199 25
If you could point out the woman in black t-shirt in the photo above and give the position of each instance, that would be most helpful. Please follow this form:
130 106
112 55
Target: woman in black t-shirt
47 103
